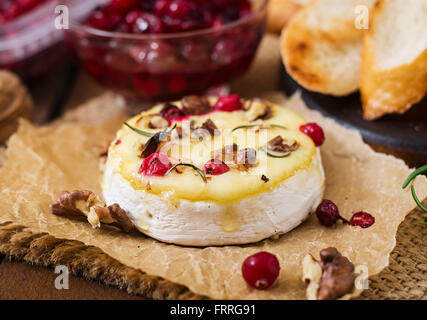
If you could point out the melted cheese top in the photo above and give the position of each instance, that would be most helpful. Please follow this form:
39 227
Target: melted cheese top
231 186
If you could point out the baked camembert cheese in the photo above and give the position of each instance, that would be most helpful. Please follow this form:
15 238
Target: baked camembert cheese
214 171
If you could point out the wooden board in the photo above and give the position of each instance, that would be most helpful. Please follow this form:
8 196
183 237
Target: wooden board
397 134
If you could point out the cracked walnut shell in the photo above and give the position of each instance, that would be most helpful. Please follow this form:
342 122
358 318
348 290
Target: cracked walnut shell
85 204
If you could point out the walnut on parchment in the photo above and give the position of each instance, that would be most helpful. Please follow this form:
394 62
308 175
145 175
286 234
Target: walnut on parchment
330 278
85 204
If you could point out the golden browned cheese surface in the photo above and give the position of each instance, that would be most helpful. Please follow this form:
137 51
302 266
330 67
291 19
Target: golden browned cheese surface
233 185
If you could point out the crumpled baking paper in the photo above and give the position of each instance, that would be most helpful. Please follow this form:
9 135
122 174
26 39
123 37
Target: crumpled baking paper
44 161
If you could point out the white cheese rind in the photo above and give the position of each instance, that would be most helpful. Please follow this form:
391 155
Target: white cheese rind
203 223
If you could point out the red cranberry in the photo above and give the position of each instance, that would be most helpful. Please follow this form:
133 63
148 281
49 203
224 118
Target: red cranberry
362 219
147 5
161 7
177 84
121 61
139 53
224 51
131 17
94 68
156 164
178 9
261 270
160 56
327 213
105 19
314 131
124 5
146 87
220 4
27 5
217 22
195 52
230 14
245 8
215 167
12 11
170 111
139 22
229 103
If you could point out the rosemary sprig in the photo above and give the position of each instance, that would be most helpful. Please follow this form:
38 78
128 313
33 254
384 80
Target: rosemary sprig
256 125
198 170
411 177
149 134
144 133
278 126
275 155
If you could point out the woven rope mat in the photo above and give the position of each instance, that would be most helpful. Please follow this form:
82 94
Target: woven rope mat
405 278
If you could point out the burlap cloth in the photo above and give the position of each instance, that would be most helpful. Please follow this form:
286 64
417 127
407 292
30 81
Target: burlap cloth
405 278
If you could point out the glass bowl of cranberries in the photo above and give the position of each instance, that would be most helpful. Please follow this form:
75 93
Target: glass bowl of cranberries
163 49
30 45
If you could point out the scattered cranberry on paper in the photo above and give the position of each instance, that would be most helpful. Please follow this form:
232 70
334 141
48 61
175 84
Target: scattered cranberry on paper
328 214
261 270
362 219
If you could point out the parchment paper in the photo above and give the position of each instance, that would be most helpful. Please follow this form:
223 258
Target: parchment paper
44 161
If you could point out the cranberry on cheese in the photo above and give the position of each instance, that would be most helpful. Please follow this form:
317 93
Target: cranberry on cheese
214 171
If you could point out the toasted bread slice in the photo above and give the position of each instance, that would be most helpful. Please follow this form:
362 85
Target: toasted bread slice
321 47
280 13
394 63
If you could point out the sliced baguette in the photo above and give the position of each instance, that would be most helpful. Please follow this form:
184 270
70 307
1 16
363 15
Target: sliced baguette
394 63
321 47
280 13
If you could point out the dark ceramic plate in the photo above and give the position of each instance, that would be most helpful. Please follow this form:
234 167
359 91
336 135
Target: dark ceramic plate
399 134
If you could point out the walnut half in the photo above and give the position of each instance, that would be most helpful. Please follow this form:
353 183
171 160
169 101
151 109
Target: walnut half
85 204
330 278
256 109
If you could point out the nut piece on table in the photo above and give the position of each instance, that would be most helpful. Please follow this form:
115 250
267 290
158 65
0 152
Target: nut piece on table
328 279
15 102
311 274
85 204
256 109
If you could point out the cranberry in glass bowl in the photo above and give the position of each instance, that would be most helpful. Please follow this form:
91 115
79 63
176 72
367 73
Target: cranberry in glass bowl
163 49
30 44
